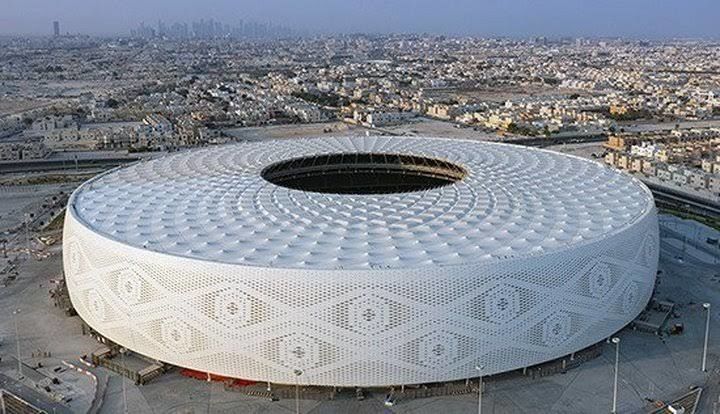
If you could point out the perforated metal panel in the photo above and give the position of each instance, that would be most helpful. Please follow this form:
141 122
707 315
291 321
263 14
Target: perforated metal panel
195 260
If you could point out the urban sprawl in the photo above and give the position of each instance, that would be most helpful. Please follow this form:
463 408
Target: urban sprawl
656 104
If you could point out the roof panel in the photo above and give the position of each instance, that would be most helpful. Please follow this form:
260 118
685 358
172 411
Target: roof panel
213 204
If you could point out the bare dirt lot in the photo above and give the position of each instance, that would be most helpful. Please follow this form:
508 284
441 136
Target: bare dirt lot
490 94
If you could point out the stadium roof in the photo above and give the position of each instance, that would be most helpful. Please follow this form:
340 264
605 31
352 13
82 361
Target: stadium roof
361 203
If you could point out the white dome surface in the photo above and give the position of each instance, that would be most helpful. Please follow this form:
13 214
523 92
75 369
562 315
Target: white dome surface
196 260
212 204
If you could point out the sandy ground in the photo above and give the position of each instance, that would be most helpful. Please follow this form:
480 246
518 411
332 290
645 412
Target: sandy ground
294 131
503 94
442 129
15 201
42 328
10 106
416 127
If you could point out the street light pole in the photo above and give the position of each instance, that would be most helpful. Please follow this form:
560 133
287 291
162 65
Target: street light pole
706 306
122 377
297 373
17 342
616 341
27 234
210 390
480 368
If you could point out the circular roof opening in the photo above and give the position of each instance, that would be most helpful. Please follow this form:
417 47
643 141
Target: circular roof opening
363 173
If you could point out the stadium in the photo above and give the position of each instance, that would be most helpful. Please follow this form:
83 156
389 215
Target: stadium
360 261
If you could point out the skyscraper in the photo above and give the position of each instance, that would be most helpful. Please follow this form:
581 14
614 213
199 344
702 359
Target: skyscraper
56 28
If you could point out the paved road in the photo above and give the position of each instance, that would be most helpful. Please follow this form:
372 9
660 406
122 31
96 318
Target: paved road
699 276
62 165
33 397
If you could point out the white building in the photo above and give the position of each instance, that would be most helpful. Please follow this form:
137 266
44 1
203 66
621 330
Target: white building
364 261
382 118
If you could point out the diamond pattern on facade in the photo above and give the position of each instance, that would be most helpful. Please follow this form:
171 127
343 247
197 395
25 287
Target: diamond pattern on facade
369 314
130 286
507 269
438 349
600 279
502 303
299 352
176 334
232 308
556 328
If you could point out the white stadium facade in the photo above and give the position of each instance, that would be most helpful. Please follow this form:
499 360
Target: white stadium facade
364 261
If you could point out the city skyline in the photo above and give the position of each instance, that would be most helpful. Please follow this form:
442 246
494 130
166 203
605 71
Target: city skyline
644 19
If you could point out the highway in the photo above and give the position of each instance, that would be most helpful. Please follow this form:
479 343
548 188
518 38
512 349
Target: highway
683 201
62 164
555 140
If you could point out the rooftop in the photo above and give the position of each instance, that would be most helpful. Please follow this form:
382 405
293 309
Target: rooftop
487 202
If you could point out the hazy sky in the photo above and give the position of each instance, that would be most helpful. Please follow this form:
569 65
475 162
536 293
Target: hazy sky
517 18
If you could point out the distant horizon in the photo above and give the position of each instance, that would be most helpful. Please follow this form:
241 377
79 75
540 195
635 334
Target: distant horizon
637 19
127 34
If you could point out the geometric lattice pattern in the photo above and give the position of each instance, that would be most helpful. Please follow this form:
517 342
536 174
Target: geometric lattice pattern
193 260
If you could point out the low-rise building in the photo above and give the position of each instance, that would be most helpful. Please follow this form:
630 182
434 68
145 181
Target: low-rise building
381 118
714 185
649 168
698 179
16 151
